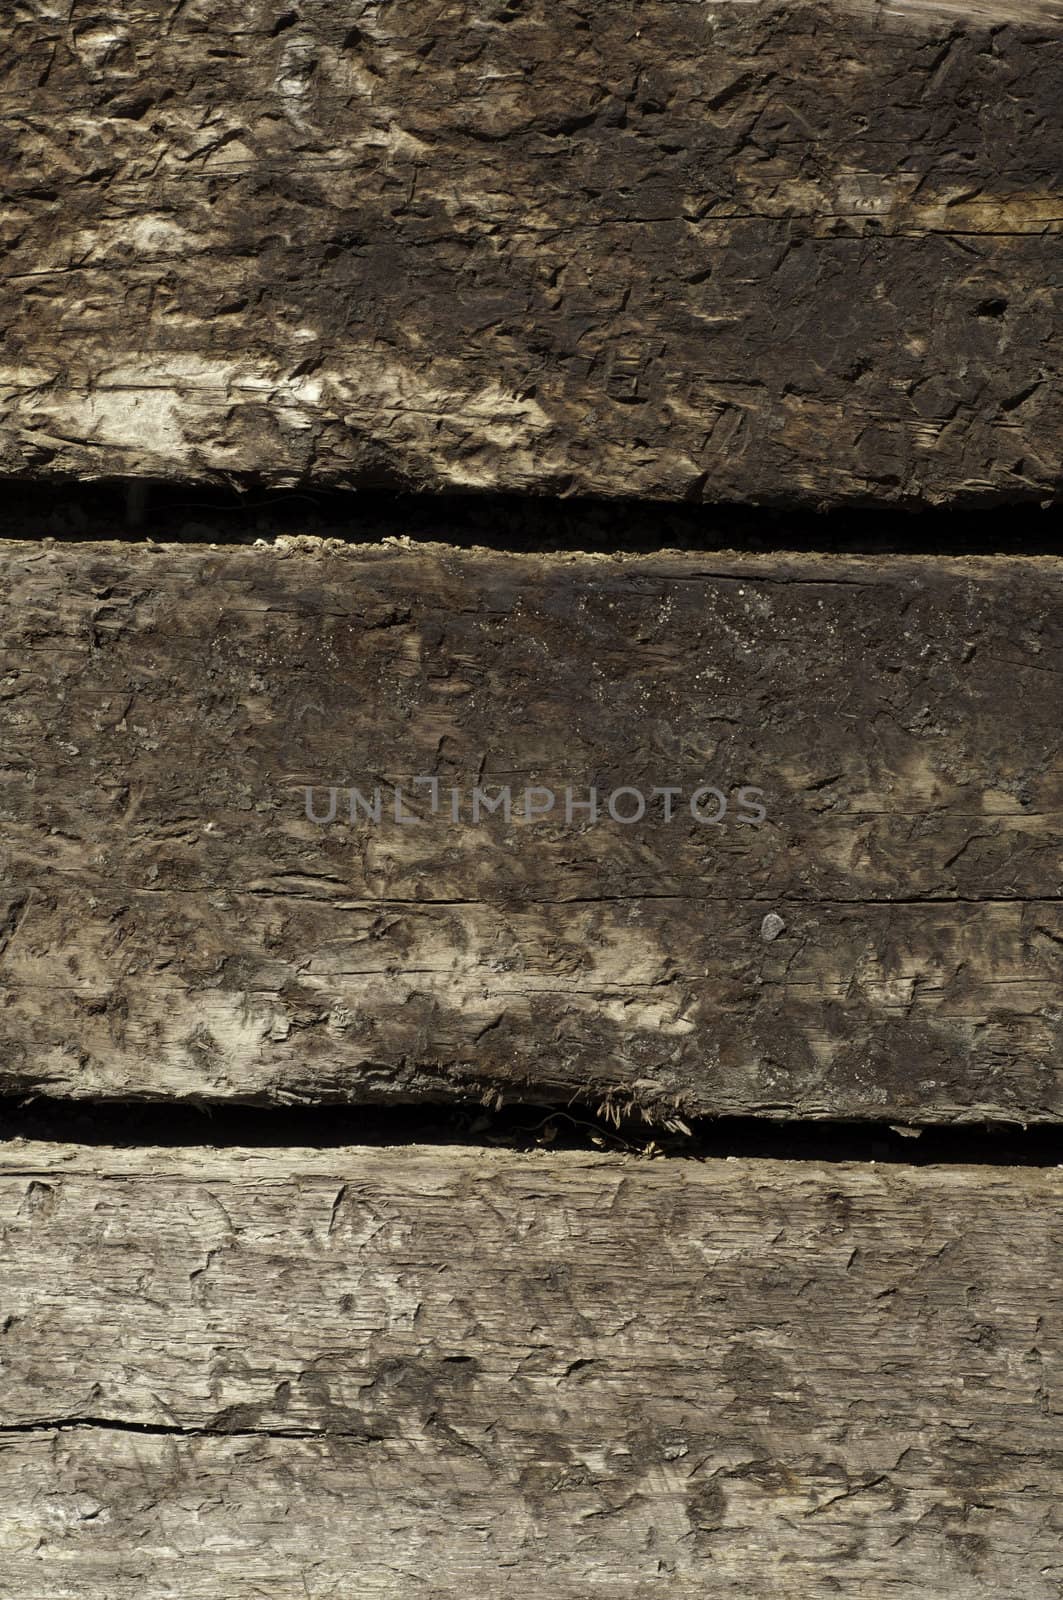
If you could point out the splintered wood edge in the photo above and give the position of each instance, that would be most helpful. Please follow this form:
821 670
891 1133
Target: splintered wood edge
413 1165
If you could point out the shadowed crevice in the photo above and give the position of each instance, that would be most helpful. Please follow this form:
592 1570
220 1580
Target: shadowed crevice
525 1127
241 513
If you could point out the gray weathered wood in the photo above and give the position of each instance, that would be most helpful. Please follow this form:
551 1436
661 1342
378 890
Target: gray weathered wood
695 251
444 1372
889 942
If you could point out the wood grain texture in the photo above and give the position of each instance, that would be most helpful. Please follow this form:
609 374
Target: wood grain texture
889 942
229 1374
692 251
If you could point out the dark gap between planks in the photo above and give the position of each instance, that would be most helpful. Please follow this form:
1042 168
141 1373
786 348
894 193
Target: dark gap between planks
137 510
520 1128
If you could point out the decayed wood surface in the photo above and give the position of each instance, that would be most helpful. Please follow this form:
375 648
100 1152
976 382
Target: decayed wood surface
698 251
444 1372
889 941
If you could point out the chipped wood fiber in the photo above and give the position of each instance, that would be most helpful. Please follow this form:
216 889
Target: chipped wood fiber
748 252
173 924
469 1372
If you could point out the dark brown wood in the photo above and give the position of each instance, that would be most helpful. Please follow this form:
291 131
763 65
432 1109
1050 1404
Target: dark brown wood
238 1373
693 251
887 943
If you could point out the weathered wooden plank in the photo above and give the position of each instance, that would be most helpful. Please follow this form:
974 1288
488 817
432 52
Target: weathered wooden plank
929 1012
446 1371
887 941
695 251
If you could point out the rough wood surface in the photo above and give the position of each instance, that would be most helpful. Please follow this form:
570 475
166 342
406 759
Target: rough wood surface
236 1374
697 251
888 942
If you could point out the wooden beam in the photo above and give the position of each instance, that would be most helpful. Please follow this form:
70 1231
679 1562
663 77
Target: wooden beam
390 1372
698 252
885 942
